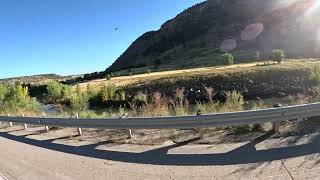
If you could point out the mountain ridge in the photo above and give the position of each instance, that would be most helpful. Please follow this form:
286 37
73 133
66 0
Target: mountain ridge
36 79
194 37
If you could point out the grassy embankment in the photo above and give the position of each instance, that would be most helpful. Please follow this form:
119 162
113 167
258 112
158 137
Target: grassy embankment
262 79
176 90
182 92
201 88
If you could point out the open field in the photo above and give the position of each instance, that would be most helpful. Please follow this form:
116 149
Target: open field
140 78
145 78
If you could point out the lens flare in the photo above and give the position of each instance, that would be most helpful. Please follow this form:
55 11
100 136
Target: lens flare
252 31
228 45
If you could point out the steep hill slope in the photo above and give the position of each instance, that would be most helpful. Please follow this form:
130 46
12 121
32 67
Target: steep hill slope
200 34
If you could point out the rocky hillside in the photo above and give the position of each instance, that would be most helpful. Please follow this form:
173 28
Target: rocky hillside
200 34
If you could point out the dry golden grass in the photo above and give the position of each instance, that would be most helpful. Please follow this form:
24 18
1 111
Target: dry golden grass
144 78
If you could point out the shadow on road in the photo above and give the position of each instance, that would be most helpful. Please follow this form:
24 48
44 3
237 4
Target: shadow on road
242 155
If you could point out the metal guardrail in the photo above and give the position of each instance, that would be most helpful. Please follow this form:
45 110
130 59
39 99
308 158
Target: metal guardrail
200 121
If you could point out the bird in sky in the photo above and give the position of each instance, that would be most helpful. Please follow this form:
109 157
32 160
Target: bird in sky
116 29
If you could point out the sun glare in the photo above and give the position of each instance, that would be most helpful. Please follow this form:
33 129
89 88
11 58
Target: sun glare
285 3
314 8
309 7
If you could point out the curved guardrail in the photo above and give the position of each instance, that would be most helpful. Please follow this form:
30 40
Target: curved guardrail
201 121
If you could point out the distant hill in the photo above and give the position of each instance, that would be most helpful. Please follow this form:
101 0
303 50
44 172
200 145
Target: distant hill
36 79
199 35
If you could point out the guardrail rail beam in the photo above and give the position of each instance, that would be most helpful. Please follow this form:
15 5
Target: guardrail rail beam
271 115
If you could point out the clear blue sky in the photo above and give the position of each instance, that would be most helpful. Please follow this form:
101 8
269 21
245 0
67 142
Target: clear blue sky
74 36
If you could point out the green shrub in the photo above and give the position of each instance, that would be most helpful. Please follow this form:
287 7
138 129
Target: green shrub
209 107
79 100
66 93
315 78
122 95
58 92
90 114
228 59
108 77
16 99
107 93
140 97
234 101
234 97
315 75
54 90
33 106
91 91
278 55
3 92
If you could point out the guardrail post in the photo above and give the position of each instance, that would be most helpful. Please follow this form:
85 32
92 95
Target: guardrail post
201 130
276 125
10 123
79 129
46 127
25 125
130 134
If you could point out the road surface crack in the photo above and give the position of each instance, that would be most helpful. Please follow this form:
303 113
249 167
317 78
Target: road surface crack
285 167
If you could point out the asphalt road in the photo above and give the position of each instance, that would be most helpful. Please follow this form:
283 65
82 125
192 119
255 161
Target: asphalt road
32 157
